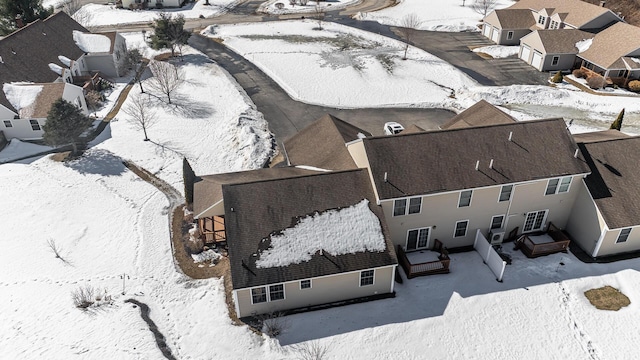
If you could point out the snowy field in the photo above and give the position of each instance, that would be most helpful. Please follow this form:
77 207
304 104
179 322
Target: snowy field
98 15
359 75
269 7
442 15
343 67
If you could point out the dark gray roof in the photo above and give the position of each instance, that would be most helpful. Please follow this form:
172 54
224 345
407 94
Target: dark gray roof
207 189
480 114
445 160
511 19
322 144
27 52
599 136
613 182
265 207
562 41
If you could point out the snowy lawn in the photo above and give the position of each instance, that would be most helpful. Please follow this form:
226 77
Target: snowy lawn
539 311
443 15
97 15
269 6
16 149
343 67
498 51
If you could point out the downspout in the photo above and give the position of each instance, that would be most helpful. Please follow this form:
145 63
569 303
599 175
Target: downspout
393 277
235 303
594 254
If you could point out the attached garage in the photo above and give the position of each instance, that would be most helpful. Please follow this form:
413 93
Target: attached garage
486 30
524 53
536 61
495 37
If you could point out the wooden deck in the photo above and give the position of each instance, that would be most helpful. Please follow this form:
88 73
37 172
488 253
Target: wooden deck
560 242
426 268
212 229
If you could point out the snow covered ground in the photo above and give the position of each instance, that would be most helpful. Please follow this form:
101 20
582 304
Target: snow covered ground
498 51
443 15
97 14
269 6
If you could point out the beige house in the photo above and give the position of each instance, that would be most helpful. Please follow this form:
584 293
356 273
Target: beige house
299 238
606 217
614 54
552 50
507 26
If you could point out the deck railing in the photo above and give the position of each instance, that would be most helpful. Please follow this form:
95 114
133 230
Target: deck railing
560 243
426 268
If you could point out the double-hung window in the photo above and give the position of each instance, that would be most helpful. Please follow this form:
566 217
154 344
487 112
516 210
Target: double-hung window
366 277
461 228
276 292
258 295
465 198
558 186
400 206
505 193
496 222
35 126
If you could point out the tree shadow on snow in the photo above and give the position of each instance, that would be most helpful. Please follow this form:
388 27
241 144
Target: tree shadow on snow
182 105
99 162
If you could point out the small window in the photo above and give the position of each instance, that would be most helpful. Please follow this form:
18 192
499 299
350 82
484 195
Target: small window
415 204
623 236
496 222
541 20
509 35
305 284
465 198
399 207
276 292
35 126
8 124
366 278
552 186
555 60
258 295
505 193
461 228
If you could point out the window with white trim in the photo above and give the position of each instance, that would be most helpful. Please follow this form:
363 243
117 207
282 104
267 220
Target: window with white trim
400 206
505 193
305 284
623 236
35 126
366 277
276 292
465 198
558 186
258 295
496 222
417 238
555 60
8 124
541 19
534 221
461 228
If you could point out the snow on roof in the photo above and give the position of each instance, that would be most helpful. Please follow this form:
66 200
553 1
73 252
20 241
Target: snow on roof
92 43
583 45
340 231
22 96
56 68
65 60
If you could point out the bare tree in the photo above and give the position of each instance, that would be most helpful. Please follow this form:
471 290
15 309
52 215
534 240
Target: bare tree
166 79
483 7
319 11
408 27
142 114
93 99
70 6
56 250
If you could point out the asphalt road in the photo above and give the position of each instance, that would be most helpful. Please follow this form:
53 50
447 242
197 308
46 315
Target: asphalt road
287 116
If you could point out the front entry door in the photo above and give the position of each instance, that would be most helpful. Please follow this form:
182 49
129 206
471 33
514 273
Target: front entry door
534 221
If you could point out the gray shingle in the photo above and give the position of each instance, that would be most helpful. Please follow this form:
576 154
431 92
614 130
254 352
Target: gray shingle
480 114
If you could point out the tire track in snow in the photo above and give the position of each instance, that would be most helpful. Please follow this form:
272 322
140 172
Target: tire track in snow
581 336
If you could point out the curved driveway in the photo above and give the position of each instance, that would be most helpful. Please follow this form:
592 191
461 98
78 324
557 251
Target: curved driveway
287 116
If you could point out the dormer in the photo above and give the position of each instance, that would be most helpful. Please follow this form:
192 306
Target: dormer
544 17
557 21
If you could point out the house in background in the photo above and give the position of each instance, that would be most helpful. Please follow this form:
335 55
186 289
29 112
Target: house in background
614 54
51 51
606 216
507 26
149 4
31 104
552 50
299 238
479 114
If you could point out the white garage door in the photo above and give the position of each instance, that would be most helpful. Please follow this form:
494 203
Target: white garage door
524 53
536 60
496 35
486 30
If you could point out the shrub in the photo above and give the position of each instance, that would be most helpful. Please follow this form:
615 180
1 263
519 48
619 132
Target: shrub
557 78
279 6
596 82
304 2
634 85
292 2
83 297
579 73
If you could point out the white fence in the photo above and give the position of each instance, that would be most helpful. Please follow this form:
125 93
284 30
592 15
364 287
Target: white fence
489 255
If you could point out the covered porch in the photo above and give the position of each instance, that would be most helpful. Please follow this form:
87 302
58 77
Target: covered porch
620 77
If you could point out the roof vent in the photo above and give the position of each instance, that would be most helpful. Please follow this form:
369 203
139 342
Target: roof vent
386 177
510 135
1 61
575 155
491 164
603 3
477 164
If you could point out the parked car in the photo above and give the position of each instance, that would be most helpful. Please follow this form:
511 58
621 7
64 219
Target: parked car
392 128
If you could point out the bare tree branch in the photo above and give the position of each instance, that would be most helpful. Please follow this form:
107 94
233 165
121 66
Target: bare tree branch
319 11
166 79
142 114
483 7
408 27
